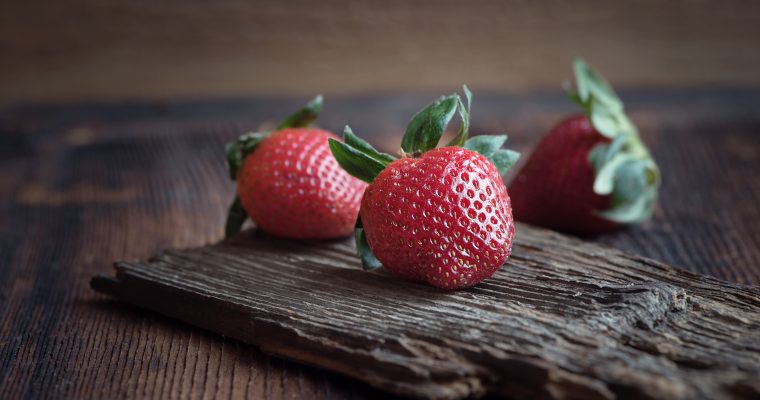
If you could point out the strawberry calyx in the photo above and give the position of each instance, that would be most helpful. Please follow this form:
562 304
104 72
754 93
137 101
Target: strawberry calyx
239 149
358 157
423 134
490 147
624 168
369 261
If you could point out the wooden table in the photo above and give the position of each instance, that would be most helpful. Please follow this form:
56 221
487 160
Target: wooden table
87 184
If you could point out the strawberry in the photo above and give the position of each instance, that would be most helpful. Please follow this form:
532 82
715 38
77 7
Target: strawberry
591 173
289 183
436 215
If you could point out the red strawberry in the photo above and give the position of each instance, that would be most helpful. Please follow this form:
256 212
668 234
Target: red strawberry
440 216
289 183
554 188
591 173
443 218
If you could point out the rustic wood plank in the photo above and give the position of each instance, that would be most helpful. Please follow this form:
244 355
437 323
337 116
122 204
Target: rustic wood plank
563 319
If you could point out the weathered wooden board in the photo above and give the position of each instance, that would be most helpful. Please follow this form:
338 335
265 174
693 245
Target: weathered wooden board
563 318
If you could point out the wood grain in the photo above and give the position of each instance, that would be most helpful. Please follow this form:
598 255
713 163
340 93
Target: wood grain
110 49
85 184
562 319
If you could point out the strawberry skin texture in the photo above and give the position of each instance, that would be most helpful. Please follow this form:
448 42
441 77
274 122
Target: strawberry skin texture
291 186
443 218
554 189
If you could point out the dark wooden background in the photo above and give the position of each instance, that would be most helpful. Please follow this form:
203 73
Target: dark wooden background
114 49
83 185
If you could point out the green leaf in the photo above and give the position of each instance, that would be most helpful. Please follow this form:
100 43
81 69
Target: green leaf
468 96
592 85
504 159
427 126
249 141
490 147
600 103
604 152
486 144
236 216
574 97
303 117
605 121
464 114
355 162
237 151
635 186
634 212
630 182
234 159
604 182
369 261
598 156
360 144
629 175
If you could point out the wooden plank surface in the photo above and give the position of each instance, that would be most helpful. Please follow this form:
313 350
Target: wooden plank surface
86 184
561 319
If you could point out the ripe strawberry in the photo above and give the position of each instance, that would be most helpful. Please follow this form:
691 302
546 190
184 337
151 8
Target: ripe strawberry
440 216
591 173
554 188
289 183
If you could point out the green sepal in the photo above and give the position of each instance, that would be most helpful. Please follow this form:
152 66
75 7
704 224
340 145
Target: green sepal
599 101
629 176
427 126
591 85
623 168
485 144
234 159
464 114
634 192
358 157
608 122
303 117
634 212
490 147
235 218
603 153
604 183
573 95
362 145
238 150
369 261
504 159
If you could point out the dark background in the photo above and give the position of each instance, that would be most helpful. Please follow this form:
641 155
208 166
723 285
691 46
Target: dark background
144 49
